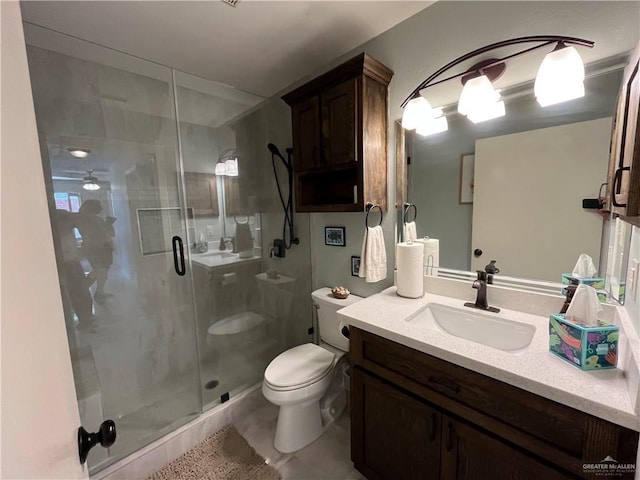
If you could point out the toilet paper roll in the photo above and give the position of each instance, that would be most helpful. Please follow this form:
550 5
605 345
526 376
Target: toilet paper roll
431 255
229 279
410 269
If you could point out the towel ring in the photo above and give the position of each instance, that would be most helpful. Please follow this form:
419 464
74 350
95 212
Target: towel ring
235 218
407 206
371 206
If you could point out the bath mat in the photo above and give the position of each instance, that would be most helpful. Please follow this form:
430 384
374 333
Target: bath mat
226 455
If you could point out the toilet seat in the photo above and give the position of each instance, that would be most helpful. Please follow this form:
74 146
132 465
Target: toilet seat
299 367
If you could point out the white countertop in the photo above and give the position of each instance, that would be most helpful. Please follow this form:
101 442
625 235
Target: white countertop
603 393
219 258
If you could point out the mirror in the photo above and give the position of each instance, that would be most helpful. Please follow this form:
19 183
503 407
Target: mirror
511 189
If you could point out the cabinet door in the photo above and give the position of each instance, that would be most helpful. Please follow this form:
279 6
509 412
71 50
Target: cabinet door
471 454
306 134
624 166
234 202
394 436
202 193
339 123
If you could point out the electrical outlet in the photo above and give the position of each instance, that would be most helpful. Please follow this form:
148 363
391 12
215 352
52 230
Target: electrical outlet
210 230
278 249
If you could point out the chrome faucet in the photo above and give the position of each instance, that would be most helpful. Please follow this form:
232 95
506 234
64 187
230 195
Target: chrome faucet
484 277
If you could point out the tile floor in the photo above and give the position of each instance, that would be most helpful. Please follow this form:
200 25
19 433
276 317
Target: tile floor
328 458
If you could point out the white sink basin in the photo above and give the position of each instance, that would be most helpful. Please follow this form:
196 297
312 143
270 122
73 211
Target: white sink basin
475 326
218 253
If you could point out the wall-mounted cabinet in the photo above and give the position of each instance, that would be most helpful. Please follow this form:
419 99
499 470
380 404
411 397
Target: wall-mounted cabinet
339 125
624 165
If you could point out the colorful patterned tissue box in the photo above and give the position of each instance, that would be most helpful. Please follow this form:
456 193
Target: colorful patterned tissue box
584 346
595 282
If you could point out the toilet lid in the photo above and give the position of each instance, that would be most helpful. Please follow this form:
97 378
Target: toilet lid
298 366
240 322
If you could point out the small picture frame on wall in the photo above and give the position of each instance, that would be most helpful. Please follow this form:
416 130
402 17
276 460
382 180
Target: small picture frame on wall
355 266
466 178
334 236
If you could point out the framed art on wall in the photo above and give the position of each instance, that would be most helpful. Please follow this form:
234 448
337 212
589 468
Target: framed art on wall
355 266
334 236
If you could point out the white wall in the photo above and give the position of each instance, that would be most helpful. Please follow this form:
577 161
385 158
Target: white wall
39 409
527 198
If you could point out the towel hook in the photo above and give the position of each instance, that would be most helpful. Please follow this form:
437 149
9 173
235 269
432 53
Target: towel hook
371 206
407 206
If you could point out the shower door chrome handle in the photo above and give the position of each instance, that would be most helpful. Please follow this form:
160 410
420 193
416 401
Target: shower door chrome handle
178 255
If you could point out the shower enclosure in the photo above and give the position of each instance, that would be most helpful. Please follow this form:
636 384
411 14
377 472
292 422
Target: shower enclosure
160 197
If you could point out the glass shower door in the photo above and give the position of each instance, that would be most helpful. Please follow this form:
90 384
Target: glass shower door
108 133
236 339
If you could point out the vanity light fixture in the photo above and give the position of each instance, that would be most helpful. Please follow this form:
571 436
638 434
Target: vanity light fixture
79 152
227 164
560 78
231 167
479 101
89 182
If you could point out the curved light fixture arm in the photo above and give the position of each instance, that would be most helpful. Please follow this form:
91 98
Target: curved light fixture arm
545 40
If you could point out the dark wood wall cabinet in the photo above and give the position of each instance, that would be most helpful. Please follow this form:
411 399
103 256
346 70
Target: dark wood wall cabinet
339 122
414 416
624 164
202 193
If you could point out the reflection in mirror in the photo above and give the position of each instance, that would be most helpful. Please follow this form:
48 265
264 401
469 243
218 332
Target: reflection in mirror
511 189
618 258
223 220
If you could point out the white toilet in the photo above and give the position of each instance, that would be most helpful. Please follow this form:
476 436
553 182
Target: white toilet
298 379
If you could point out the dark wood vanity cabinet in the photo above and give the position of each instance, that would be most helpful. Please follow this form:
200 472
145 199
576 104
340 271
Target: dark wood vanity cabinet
623 184
414 416
393 420
339 123
473 454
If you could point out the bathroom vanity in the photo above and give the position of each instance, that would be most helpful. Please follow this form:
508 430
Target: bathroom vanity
428 404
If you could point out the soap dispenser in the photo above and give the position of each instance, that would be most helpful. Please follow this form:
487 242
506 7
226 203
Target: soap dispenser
202 245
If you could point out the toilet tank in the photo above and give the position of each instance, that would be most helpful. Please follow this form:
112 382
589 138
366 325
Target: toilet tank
276 295
328 324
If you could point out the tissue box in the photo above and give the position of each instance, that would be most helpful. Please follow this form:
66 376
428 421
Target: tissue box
603 295
584 346
595 282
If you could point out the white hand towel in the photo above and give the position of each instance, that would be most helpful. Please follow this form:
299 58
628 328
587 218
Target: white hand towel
409 233
373 259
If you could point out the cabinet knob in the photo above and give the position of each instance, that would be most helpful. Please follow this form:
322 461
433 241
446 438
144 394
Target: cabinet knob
449 437
432 427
